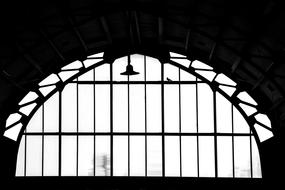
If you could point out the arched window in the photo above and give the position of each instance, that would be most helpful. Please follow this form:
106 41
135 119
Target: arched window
176 118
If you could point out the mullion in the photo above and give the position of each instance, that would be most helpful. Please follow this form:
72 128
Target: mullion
180 153
77 128
233 140
94 123
25 157
197 128
128 125
60 132
250 154
43 128
145 115
111 120
215 134
162 120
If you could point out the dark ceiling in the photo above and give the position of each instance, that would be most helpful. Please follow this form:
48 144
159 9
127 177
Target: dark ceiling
243 39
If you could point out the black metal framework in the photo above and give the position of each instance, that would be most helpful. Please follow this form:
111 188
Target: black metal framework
164 136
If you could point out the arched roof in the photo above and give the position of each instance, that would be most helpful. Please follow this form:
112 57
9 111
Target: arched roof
240 38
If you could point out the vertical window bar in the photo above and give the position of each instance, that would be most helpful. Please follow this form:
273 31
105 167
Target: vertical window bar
43 128
162 120
215 133
111 119
233 147
197 127
77 129
128 122
94 122
250 148
180 153
25 156
145 115
59 137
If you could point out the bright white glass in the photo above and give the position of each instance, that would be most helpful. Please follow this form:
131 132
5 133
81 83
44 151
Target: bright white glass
102 73
35 124
171 72
225 157
223 79
154 156
120 156
119 66
172 156
137 108
86 108
263 133
102 108
13 132
209 75
88 76
242 156
262 118
89 62
200 65
205 109
120 108
34 156
171 108
20 168
102 155
256 167
73 65
240 124
153 69
153 101
13 118
69 108
172 54
137 61
137 156
28 98
189 156
188 109
51 161
65 75
27 109
206 156
86 155
185 76
68 156
223 114
183 62
51 114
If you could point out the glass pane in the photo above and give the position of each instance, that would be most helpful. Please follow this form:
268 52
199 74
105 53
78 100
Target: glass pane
224 114
137 108
69 108
171 72
102 108
21 158
88 76
86 156
171 108
189 156
102 155
102 73
51 156
68 156
86 108
188 109
256 167
153 69
153 101
35 124
183 62
119 66
205 109
137 156
120 108
34 156
137 61
172 156
225 157
242 156
206 157
51 114
240 124
154 156
186 76
120 156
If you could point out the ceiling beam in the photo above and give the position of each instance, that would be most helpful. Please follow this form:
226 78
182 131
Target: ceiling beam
106 29
137 26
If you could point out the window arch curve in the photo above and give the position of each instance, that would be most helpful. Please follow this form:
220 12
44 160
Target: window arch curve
176 129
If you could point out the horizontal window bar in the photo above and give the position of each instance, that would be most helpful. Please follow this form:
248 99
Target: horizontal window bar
136 82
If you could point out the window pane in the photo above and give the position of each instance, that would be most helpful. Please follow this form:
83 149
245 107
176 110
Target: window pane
119 66
172 156
88 76
154 156
171 108
153 100
189 156
35 124
102 73
171 72
34 156
69 108
225 157
206 157
256 168
86 156
51 114
153 69
242 156
86 108
120 156
21 158
240 124
185 76
102 154
205 109
51 156
137 61
224 114
137 156
102 108
120 108
137 108
68 156
188 109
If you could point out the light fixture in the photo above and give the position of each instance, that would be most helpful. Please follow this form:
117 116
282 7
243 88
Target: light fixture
129 69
